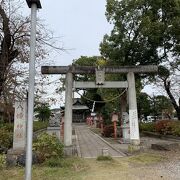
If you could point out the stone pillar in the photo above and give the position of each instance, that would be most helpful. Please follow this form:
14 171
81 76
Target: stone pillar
68 110
20 119
133 115
125 127
19 135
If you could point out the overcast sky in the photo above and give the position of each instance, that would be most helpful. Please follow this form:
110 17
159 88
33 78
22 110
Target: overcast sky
81 24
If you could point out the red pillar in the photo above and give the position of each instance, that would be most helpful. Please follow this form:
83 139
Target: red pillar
115 130
62 131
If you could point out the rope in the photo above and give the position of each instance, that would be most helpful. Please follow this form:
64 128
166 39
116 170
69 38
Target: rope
108 100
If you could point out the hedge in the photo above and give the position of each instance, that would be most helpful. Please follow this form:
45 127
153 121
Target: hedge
165 127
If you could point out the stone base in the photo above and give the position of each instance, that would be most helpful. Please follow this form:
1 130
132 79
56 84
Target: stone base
134 148
54 131
12 156
70 150
18 157
135 142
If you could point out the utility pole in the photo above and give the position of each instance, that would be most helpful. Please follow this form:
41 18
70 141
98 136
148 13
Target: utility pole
34 5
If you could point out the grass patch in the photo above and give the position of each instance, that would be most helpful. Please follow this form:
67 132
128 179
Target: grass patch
75 164
12 173
88 169
145 158
104 158
53 162
64 169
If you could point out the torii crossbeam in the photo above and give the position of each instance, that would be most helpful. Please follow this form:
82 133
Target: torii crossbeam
75 69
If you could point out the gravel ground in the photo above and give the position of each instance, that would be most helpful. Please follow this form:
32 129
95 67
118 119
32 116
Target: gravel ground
171 166
168 169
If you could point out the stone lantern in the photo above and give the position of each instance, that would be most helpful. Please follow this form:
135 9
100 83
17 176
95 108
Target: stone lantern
115 120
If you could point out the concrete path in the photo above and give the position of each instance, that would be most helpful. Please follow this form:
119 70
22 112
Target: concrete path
90 145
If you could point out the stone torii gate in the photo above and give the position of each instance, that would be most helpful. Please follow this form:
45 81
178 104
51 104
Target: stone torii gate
130 84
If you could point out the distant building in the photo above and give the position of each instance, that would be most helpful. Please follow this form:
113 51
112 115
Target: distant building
80 110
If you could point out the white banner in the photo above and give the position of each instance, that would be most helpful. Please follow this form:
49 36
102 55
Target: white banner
134 126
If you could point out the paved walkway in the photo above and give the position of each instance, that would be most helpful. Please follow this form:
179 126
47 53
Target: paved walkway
91 145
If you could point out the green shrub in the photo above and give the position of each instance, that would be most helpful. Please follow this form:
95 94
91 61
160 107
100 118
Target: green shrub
147 127
54 162
6 132
47 146
176 128
6 135
108 131
104 158
2 161
7 126
6 138
37 125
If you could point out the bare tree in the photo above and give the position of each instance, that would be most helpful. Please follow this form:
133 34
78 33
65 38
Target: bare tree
14 49
14 41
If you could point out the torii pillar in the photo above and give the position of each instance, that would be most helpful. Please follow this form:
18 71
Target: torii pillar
68 110
133 115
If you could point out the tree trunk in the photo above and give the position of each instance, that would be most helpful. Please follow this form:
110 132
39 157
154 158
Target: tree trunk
167 85
7 54
1 85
